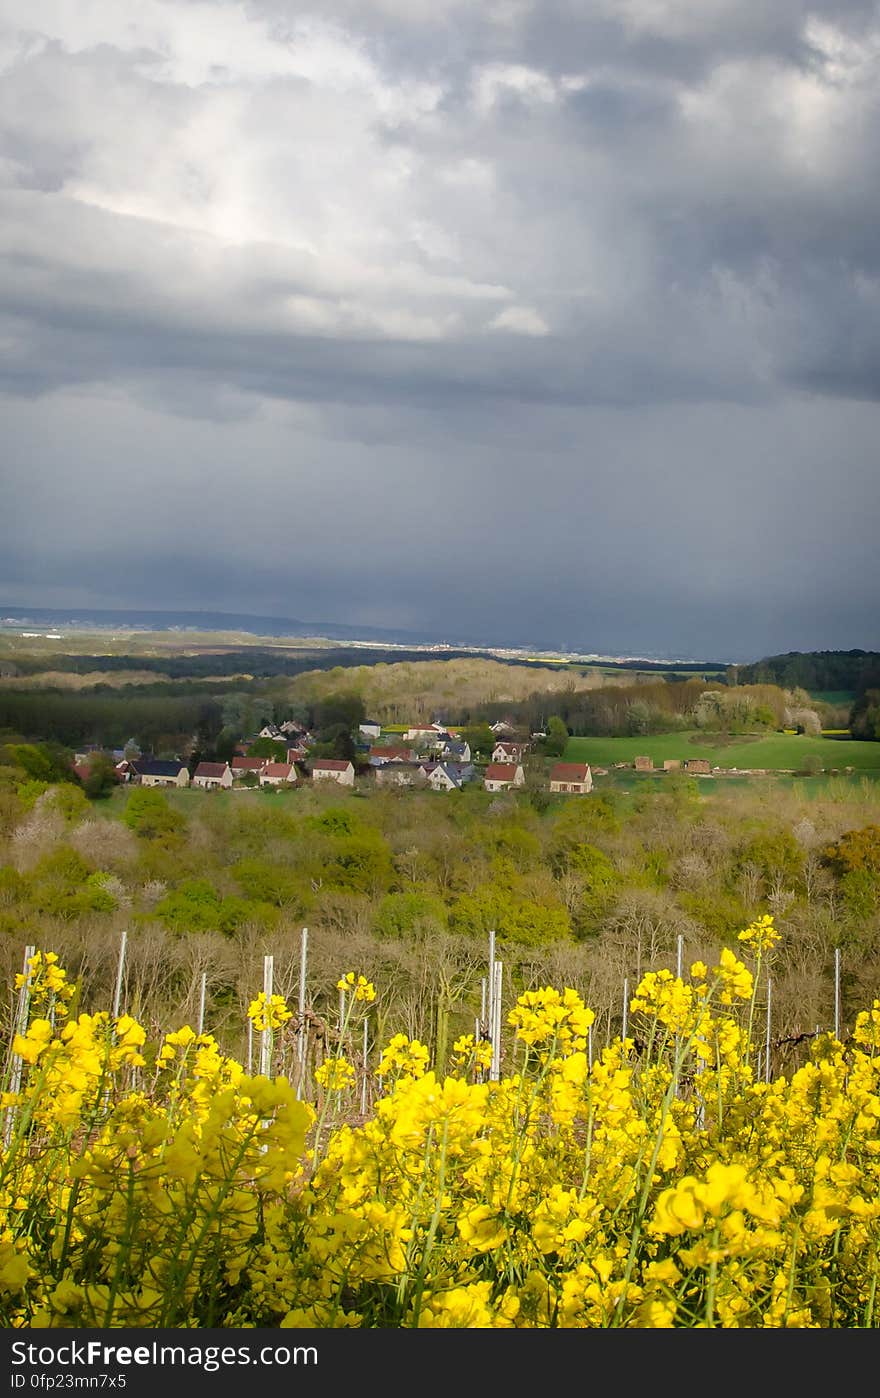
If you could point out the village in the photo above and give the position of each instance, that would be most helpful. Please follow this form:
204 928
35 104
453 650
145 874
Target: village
430 756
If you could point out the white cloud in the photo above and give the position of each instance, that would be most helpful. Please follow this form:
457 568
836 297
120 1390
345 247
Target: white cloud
520 320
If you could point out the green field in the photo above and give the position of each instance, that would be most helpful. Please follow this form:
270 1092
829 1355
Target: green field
776 752
843 697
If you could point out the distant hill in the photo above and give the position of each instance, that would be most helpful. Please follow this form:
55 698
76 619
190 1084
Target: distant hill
91 619
60 619
852 671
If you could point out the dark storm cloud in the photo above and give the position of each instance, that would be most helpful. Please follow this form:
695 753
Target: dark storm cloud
540 315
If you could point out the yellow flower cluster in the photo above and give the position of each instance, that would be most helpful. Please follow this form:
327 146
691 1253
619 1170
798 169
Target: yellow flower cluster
737 982
335 1074
656 1185
760 935
471 1053
404 1056
552 1021
48 987
668 999
867 1027
268 1012
358 986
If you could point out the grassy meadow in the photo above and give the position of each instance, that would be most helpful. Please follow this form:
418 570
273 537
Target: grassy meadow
776 752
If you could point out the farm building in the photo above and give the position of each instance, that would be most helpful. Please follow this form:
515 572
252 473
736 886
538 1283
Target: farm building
698 766
643 764
571 776
672 764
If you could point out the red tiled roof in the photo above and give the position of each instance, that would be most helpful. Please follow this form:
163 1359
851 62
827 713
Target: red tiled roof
389 752
247 764
210 769
501 771
330 764
570 772
278 769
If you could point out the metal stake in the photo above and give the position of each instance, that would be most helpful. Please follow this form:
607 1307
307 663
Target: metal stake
301 1032
117 994
266 1036
202 994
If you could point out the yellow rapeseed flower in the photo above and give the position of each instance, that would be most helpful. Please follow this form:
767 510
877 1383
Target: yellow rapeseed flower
358 986
760 935
268 1012
335 1074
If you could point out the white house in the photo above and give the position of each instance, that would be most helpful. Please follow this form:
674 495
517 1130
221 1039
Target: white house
441 777
571 776
379 756
501 776
333 769
212 775
449 776
500 728
422 733
401 774
150 772
370 728
275 773
452 750
242 765
508 752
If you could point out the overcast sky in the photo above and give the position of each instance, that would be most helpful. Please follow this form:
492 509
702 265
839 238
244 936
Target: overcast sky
541 321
